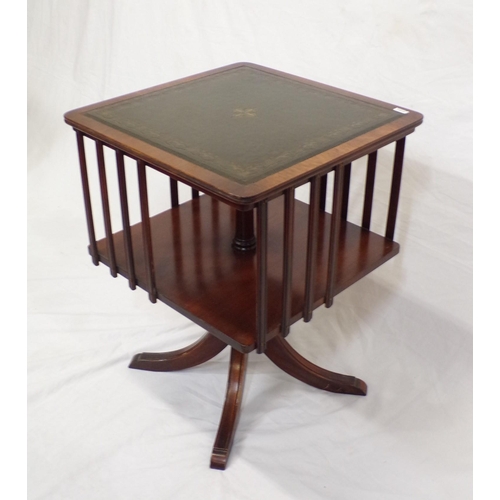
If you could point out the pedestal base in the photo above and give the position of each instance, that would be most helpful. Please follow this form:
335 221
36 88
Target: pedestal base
278 350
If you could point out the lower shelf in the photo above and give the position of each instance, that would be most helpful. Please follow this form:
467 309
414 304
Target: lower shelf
201 276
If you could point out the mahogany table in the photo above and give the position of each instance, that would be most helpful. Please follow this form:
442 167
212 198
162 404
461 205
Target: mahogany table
244 260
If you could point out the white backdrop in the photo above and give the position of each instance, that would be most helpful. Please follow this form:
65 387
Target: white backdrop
97 430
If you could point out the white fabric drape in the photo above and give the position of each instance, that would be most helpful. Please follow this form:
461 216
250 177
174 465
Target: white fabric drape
98 430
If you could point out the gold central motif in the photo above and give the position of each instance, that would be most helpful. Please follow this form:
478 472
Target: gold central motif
244 112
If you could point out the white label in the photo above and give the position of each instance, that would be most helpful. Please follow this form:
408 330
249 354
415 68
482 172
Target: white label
399 110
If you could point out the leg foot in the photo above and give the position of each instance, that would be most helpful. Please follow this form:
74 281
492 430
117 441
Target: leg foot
231 411
282 354
202 350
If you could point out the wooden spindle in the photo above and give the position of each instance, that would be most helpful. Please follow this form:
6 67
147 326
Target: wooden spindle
105 208
397 174
369 187
322 195
312 245
86 198
177 228
174 192
146 231
287 260
199 251
195 193
336 220
261 276
345 190
122 185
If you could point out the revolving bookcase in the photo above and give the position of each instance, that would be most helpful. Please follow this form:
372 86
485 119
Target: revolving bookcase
242 258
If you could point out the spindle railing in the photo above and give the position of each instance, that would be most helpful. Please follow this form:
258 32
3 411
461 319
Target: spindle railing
321 223
339 213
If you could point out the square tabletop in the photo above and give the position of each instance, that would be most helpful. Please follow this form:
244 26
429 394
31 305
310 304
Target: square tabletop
244 132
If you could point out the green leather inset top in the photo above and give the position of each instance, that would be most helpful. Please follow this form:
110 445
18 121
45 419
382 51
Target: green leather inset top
243 123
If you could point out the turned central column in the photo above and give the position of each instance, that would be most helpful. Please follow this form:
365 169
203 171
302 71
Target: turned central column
244 237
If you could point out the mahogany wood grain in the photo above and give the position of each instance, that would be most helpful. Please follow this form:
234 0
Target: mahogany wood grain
282 354
369 188
122 186
202 277
231 410
86 198
397 174
197 353
105 208
148 260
